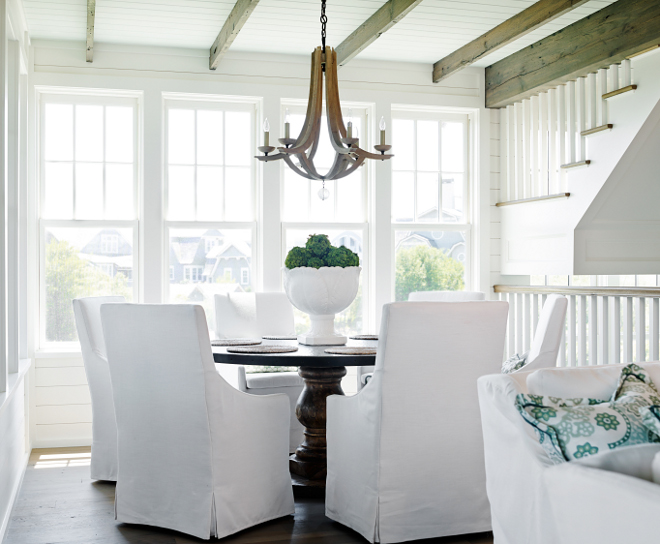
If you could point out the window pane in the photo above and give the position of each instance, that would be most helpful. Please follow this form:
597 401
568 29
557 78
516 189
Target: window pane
452 147
58 193
351 320
89 133
199 259
209 193
119 190
350 205
119 134
452 198
181 194
296 196
58 132
403 196
427 145
238 194
403 144
238 145
181 137
89 191
83 262
429 261
209 137
427 197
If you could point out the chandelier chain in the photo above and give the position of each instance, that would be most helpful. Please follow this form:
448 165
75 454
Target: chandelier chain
324 21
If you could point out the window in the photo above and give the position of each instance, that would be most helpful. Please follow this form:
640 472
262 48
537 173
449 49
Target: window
245 276
210 188
429 202
342 216
88 216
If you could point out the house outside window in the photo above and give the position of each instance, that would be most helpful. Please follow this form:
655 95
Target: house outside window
192 273
245 276
227 274
110 243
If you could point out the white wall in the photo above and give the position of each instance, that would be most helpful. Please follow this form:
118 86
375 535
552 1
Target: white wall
62 414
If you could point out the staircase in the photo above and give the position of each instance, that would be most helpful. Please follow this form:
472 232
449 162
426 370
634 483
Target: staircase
580 175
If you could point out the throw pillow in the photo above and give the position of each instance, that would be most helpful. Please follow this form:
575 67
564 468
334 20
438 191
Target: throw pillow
651 418
575 428
512 364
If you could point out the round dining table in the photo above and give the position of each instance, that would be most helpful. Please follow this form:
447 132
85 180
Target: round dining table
322 374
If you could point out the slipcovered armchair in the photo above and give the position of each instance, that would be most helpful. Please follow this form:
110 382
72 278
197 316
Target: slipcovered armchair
195 455
254 315
364 373
405 456
87 313
523 484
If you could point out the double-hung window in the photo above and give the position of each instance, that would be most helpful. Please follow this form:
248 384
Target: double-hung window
341 214
430 202
88 175
210 194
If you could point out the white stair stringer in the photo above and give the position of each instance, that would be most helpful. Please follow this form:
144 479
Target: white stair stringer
611 222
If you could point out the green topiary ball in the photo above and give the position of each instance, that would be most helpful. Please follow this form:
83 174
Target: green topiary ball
318 244
315 262
298 256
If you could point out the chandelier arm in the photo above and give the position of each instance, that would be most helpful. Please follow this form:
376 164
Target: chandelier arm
336 128
297 170
268 158
308 166
375 156
309 132
350 170
317 139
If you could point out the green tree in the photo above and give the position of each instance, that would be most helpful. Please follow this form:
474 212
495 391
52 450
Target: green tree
68 277
424 268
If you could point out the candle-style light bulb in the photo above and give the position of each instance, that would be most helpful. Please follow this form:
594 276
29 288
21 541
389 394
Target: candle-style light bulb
287 124
349 128
382 127
266 127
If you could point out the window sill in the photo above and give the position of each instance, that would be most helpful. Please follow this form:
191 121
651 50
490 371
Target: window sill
14 379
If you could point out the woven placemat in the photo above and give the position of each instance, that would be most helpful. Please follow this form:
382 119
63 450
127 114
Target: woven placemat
364 337
351 351
280 337
263 349
236 342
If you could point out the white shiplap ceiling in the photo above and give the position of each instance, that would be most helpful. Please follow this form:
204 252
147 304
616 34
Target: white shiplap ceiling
431 31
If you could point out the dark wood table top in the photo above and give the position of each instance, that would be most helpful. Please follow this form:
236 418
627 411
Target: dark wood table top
310 356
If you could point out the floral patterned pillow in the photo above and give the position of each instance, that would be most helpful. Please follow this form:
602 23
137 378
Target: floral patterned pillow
574 428
651 418
514 363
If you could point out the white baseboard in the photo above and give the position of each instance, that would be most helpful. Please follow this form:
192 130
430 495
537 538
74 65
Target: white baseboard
12 502
61 443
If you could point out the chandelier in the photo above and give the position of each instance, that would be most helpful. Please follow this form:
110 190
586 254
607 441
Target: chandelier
349 156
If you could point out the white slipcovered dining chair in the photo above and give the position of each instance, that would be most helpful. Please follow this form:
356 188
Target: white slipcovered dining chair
195 455
405 456
364 373
547 338
87 312
254 315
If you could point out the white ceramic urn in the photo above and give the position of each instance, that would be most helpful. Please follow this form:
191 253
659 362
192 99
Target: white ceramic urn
322 293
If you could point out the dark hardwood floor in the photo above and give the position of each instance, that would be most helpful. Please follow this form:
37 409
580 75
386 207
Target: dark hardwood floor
58 503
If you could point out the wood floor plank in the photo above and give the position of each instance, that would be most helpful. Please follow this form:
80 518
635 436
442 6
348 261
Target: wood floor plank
59 504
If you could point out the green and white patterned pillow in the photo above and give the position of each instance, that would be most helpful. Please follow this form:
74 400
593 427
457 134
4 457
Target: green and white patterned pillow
514 363
570 429
651 418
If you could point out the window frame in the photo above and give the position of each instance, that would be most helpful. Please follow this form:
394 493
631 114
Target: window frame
76 96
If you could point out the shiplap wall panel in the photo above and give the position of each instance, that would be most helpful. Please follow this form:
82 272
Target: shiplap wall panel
63 434
61 395
51 415
431 31
71 375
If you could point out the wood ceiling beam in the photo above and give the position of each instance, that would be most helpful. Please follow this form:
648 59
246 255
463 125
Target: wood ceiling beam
239 15
608 36
91 15
380 22
503 34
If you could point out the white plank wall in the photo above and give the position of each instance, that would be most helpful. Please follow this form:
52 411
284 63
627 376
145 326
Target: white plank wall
540 134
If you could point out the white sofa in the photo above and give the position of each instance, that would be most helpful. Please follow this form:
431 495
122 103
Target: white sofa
535 501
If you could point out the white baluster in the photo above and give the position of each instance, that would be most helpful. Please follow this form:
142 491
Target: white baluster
520 303
561 129
572 322
526 322
535 313
512 325
628 332
562 346
534 146
544 177
582 330
553 160
616 331
640 330
613 84
511 153
626 73
655 331
593 100
602 104
593 330
520 178
504 155
571 121
581 113
604 330
527 182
